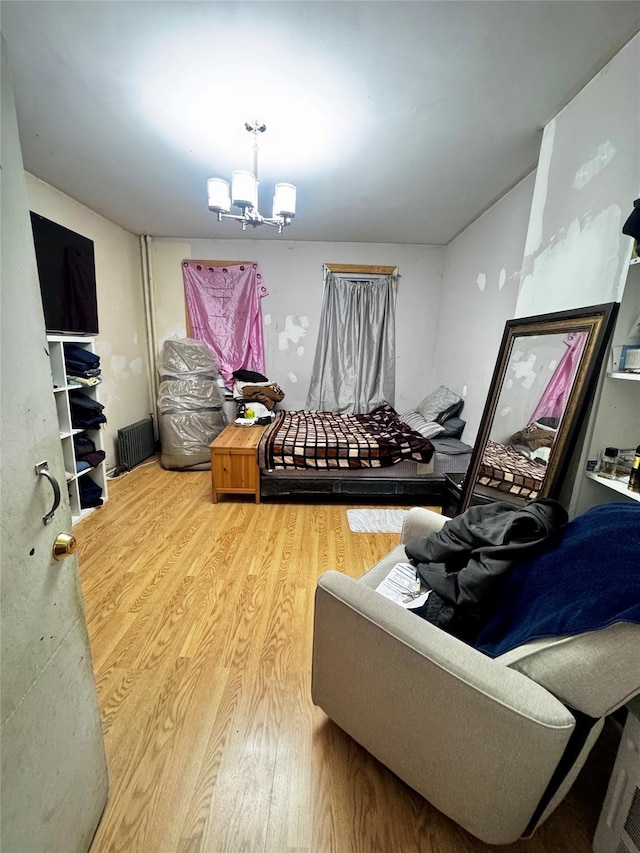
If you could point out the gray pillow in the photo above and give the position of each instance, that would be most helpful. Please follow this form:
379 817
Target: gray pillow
454 427
439 405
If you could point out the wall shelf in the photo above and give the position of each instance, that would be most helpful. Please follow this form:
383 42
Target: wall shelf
617 374
616 485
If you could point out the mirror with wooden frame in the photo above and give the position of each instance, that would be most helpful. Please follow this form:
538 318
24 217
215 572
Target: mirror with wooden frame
544 378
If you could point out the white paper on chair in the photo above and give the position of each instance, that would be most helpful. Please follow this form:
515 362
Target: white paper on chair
400 585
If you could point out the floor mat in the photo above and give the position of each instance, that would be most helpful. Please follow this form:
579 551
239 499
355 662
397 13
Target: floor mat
376 520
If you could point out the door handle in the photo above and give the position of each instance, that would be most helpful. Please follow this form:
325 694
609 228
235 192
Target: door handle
42 469
64 546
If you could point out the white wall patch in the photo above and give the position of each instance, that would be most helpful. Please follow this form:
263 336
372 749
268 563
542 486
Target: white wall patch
172 333
481 281
582 268
536 217
267 319
135 366
118 367
464 390
292 377
506 411
294 329
604 155
502 278
300 351
524 369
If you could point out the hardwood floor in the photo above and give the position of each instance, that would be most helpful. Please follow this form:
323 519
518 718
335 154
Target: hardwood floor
200 619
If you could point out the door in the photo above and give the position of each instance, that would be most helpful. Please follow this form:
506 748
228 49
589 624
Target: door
54 777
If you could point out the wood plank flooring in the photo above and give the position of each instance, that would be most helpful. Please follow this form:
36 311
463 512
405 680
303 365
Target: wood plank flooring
200 619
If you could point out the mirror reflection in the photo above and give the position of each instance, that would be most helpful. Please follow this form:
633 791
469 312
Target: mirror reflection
537 384
545 373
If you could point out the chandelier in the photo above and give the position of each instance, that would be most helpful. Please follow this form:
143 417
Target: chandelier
244 194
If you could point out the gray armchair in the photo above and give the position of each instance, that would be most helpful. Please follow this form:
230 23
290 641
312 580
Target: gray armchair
495 744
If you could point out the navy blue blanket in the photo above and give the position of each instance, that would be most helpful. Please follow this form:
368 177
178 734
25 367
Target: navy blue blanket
589 579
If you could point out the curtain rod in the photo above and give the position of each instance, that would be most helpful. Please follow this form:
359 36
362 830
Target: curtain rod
363 269
216 263
356 277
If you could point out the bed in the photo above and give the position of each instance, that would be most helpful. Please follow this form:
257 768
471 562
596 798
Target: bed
509 471
312 454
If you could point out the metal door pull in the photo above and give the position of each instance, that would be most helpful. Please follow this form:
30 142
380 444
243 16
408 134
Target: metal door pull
42 469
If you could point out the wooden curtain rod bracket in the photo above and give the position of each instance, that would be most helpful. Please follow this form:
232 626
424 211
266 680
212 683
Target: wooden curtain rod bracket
218 263
361 269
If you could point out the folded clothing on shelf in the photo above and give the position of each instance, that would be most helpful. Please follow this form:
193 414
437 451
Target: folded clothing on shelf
90 492
80 361
86 413
85 452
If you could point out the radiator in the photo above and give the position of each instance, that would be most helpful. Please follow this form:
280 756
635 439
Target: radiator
136 442
618 829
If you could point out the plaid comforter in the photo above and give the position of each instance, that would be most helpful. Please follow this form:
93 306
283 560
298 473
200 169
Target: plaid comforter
325 440
505 469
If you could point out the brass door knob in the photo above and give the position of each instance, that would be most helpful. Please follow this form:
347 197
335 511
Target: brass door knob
64 546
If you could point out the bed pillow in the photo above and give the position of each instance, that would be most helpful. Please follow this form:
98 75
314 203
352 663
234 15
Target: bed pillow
439 405
454 427
451 412
426 429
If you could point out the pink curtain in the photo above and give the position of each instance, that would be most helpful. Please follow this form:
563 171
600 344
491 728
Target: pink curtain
223 307
557 392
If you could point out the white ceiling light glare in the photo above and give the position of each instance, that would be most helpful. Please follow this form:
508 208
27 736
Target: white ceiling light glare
244 194
315 116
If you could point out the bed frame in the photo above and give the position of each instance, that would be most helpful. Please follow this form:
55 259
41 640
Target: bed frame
407 479
352 487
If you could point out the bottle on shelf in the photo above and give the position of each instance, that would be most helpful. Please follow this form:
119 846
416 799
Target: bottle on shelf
634 477
609 463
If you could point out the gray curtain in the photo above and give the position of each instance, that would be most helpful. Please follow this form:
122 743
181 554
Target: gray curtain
354 366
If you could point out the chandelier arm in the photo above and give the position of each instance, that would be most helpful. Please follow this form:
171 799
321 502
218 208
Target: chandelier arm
238 218
250 215
255 158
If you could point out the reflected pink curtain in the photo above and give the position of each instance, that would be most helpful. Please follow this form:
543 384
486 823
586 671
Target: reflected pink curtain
557 392
223 307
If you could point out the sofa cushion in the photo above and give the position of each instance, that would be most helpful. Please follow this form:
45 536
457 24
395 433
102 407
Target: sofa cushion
595 672
382 568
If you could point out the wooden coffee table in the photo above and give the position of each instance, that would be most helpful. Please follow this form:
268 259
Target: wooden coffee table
234 461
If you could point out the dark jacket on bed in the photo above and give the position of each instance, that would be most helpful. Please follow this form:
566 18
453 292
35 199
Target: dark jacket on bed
465 562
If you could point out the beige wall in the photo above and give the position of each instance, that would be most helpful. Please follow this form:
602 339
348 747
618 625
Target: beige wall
293 275
122 341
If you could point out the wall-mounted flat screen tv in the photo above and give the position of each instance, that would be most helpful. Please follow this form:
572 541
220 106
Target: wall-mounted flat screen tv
67 273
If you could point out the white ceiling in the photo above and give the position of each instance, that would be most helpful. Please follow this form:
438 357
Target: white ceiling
399 122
